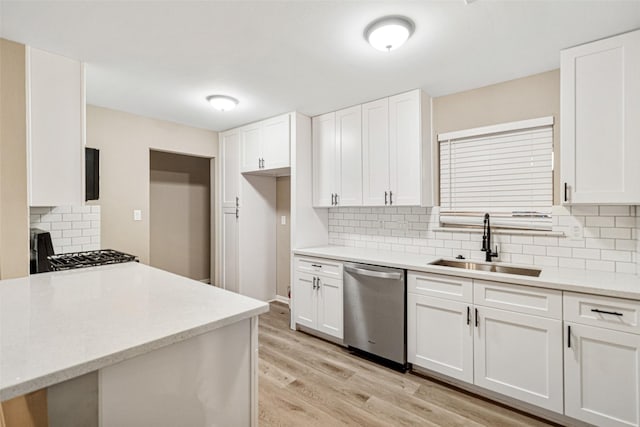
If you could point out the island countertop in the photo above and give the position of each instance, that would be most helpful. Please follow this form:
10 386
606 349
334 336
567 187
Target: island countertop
57 326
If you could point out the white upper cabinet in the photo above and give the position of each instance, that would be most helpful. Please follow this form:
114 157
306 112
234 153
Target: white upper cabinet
375 153
337 158
405 148
349 161
275 142
600 131
324 159
230 164
56 114
266 145
396 151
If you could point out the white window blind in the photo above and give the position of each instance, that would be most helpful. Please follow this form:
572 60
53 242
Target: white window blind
505 170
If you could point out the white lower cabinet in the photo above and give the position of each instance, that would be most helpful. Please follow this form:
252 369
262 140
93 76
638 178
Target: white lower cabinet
520 356
329 306
511 353
440 336
318 296
602 376
602 359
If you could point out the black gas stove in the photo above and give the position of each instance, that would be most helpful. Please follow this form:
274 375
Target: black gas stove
84 259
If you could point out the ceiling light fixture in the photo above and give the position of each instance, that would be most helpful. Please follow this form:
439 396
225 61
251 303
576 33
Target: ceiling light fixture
222 102
389 33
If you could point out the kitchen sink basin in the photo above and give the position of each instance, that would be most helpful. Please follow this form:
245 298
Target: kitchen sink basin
495 268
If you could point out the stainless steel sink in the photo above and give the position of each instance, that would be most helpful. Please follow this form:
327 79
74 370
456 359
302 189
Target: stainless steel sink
495 268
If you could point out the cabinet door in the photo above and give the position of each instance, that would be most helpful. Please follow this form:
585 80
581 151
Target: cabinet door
440 336
602 376
405 149
375 152
56 122
330 300
324 159
519 356
229 254
230 165
275 142
349 159
600 130
250 147
304 300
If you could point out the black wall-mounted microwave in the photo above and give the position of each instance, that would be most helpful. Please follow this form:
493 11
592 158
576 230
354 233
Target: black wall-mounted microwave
92 173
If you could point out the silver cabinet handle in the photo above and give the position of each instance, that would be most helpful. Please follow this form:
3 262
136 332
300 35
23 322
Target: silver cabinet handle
337 199
317 284
237 202
390 197
237 213
385 198
373 273
314 283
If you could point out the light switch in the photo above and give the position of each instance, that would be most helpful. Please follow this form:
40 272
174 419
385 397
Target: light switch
283 220
137 215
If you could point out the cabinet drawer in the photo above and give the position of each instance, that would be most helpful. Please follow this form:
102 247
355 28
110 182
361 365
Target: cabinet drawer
319 267
613 313
522 299
441 286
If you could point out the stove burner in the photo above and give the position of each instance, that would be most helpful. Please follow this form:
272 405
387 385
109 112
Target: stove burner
73 260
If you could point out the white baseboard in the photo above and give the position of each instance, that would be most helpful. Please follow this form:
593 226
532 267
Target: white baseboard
282 299
207 281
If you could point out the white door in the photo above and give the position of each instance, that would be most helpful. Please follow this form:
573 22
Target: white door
275 142
305 299
330 301
602 376
440 336
349 156
230 159
251 154
405 149
230 250
375 153
324 159
520 356
600 131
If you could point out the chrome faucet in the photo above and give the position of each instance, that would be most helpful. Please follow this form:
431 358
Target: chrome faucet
486 240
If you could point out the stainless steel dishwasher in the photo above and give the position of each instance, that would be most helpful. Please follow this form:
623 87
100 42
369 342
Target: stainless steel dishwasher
375 311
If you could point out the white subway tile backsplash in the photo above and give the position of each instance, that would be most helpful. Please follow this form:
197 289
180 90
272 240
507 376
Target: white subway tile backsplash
606 237
72 228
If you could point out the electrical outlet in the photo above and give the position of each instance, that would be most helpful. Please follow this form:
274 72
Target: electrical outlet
575 232
283 220
137 215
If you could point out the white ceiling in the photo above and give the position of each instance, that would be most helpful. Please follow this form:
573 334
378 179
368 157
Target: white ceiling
161 59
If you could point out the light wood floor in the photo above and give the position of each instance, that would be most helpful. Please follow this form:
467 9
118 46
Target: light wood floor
305 381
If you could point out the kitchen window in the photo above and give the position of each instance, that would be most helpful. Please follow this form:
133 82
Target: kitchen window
505 170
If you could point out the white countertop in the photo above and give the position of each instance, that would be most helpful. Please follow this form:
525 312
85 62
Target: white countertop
56 326
567 279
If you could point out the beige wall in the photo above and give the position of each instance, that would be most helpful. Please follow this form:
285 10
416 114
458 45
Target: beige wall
125 141
180 214
526 98
283 236
14 208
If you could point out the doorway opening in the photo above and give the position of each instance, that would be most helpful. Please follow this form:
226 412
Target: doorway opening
180 213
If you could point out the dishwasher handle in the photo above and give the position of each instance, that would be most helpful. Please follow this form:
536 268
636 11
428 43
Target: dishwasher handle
374 273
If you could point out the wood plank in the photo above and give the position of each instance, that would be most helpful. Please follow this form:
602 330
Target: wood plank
303 376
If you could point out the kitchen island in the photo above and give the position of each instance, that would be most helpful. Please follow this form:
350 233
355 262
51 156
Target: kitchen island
168 350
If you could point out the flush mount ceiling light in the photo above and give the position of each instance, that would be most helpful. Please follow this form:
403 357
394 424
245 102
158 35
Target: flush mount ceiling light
222 102
389 33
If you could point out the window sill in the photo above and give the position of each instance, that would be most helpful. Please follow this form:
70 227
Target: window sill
502 231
